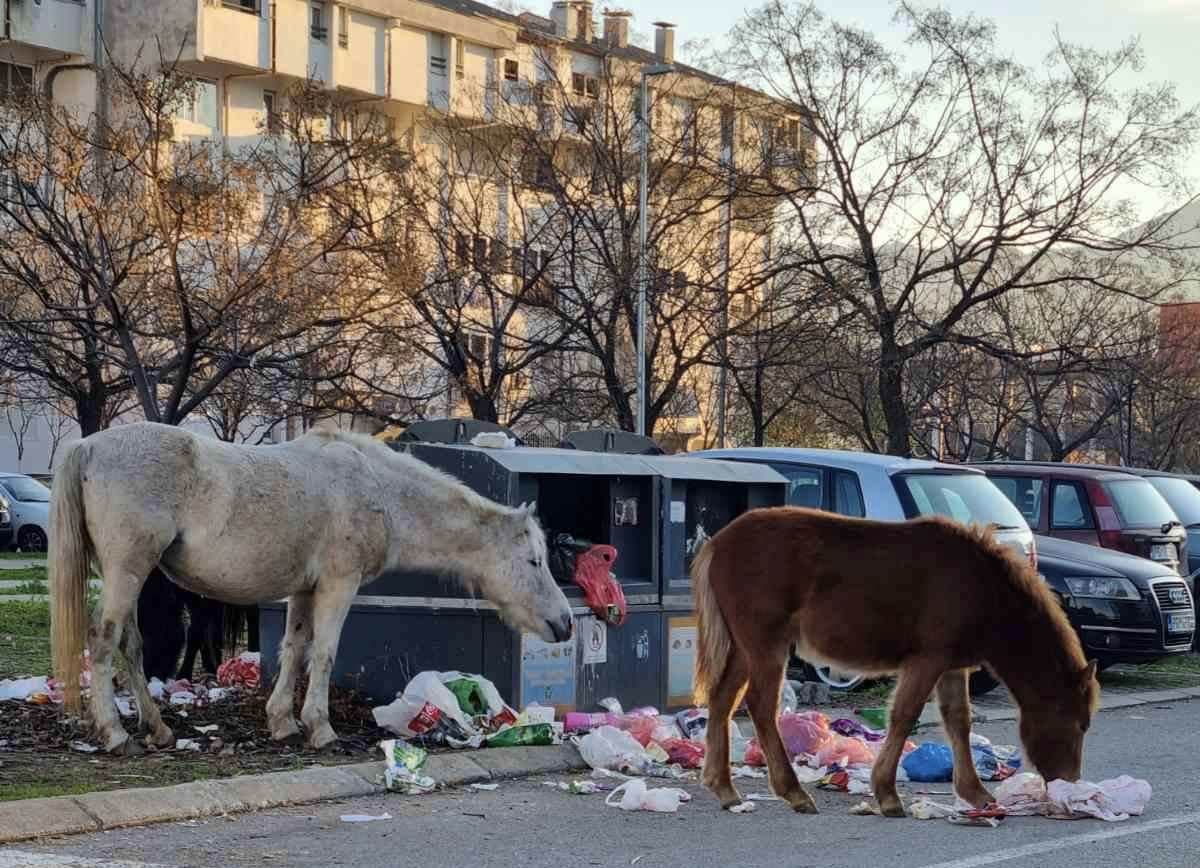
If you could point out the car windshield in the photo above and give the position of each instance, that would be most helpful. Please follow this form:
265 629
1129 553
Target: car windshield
1139 504
966 497
26 490
1181 495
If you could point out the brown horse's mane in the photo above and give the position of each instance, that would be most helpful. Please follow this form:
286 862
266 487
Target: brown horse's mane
1025 582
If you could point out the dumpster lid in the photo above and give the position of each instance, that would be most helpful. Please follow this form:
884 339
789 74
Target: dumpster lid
612 440
559 461
450 431
711 469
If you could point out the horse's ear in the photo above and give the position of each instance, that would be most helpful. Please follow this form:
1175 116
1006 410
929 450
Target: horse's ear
1089 672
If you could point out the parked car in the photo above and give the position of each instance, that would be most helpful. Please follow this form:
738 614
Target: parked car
1098 506
888 488
1126 609
6 528
29 503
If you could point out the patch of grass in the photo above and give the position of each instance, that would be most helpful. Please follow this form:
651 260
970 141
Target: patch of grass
1179 663
27 574
22 556
32 586
25 618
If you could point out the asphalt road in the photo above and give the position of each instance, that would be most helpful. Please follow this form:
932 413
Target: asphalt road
529 824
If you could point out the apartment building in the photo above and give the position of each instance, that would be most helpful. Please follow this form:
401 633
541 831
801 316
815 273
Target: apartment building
421 63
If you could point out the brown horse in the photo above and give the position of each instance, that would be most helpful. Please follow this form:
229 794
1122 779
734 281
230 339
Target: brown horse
929 599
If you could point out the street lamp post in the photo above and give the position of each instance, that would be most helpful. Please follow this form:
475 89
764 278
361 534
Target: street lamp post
643 183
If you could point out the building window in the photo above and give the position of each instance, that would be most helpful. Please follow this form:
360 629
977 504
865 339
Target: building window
318 27
273 122
16 82
460 58
512 70
726 132
243 5
578 119
585 85
437 53
343 27
200 105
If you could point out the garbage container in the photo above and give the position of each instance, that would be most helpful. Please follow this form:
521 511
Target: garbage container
612 440
451 431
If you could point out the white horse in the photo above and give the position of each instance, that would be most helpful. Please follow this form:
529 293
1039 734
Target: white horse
310 520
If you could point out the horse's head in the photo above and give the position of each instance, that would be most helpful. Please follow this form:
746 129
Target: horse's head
1052 733
520 583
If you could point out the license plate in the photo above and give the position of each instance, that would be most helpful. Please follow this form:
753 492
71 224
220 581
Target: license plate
1162 552
1181 622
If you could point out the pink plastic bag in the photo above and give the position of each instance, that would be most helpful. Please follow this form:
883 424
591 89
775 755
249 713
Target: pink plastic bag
689 754
639 726
845 750
807 732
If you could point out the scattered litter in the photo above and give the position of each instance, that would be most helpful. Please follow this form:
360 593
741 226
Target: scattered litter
155 686
183 697
933 762
365 818
450 708
636 797
245 670
762 797
83 747
1137 717
493 440
402 761
23 688
1111 801
637 859
487 788
124 706
204 730
742 808
748 772
578 788
864 809
187 744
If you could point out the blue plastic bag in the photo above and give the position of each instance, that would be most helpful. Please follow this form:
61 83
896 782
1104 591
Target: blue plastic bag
930 763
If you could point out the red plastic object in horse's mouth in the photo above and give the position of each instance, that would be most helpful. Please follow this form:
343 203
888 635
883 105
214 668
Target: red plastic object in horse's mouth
593 573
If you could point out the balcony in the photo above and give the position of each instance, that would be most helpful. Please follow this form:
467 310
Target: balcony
236 33
52 27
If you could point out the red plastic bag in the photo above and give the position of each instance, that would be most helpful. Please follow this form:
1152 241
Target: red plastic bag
640 727
245 670
754 754
689 754
845 750
600 588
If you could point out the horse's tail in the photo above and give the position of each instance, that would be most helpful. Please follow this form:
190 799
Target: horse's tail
713 642
69 561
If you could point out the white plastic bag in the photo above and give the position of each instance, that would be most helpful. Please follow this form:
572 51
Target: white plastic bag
426 688
23 688
636 797
1111 801
1022 795
613 749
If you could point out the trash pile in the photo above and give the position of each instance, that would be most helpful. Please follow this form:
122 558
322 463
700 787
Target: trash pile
1028 795
242 672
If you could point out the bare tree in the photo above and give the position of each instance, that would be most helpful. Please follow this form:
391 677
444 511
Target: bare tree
949 176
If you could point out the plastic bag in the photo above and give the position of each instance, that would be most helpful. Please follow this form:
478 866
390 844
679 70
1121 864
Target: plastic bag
1023 794
23 688
804 733
641 728
754 755
401 764
613 749
481 694
634 796
1112 800
533 734
689 754
787 698
693 723
845 726
929 763
577 721
845 751
422 707
245 670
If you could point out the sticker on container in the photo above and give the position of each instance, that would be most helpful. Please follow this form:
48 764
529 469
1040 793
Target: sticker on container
593 634
547 672
681 659
678 512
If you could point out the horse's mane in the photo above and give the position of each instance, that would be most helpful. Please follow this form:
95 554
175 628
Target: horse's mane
1020 576
380 453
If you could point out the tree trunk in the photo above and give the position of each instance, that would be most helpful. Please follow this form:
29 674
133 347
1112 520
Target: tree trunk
89 411
756 408
891 399
483 406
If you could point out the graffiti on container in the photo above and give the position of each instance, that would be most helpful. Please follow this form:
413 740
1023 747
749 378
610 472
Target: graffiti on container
641 646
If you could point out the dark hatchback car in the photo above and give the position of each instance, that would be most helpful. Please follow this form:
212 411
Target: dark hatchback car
1126 609
1100 507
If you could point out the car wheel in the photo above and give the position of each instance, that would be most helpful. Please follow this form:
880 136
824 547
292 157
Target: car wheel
983 682
836 678
32 539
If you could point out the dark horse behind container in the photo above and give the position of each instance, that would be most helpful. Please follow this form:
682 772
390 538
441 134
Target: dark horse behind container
928 599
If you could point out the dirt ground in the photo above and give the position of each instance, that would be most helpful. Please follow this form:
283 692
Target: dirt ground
36 757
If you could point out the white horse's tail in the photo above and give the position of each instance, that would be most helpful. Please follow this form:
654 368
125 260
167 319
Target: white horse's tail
69 561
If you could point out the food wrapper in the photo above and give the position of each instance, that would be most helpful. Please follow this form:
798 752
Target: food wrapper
402 762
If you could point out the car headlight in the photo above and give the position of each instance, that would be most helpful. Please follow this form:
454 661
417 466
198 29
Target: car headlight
1103 588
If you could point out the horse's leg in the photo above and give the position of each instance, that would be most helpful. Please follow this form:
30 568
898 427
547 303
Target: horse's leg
916 682
331 603
210 640
195 634
955 704
281 717
118 599
766 679
160 734
723 700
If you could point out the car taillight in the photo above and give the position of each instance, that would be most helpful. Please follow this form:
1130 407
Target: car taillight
1110 523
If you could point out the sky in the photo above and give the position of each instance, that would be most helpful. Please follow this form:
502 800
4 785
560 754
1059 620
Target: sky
1169 29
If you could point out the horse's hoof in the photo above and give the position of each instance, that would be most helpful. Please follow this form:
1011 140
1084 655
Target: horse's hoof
128 748
730 801
162 737
892 809
292 739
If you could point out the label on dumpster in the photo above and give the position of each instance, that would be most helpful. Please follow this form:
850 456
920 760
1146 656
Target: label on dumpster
678 512
547 673
593 636
681 659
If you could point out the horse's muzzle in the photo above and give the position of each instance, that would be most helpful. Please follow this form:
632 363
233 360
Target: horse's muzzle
561 628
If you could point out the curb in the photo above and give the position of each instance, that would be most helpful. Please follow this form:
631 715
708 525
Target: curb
115 809
1118 701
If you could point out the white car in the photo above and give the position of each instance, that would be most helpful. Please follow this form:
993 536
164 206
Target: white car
29 505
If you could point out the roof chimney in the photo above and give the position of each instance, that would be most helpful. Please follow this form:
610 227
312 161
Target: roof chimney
564 20
616 27
664 41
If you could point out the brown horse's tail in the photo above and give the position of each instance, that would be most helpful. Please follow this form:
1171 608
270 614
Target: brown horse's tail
713 643
68 561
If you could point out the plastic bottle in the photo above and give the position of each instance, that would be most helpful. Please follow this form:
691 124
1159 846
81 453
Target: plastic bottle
579 721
